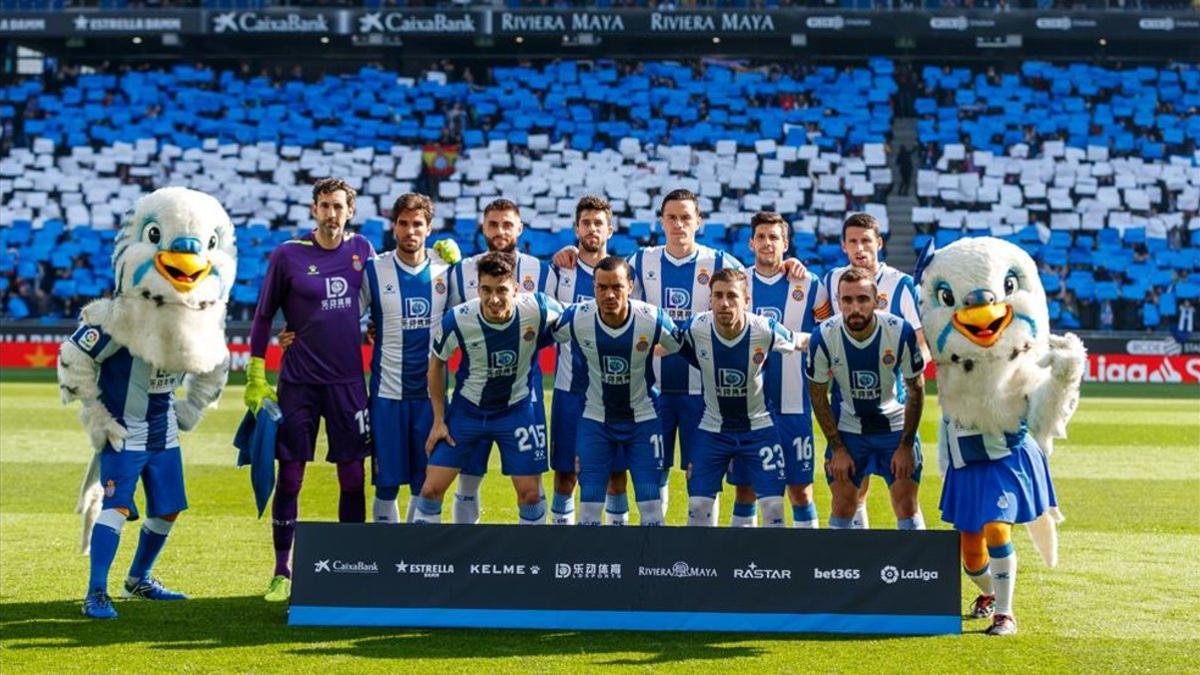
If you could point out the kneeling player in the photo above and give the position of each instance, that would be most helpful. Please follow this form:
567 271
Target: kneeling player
729 346
500 334
616 337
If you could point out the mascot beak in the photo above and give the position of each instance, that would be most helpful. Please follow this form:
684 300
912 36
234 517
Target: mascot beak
182 265
983 320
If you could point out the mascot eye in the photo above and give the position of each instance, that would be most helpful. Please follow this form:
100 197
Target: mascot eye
153 235
212 242
1010 283
945 296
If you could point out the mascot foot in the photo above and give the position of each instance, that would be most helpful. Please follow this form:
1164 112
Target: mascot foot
1002 624
983 607
279 590
150 589
97 605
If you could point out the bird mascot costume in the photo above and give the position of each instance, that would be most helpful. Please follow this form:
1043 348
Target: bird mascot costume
1007 388
174 262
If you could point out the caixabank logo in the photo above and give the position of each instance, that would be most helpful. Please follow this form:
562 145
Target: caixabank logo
345 567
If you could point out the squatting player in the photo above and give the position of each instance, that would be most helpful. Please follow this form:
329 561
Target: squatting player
870 428
502 228
500 333
316 280
593 229
729 346
799 305
614 337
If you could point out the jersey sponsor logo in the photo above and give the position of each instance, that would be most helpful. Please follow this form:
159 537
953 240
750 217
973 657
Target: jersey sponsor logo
643 344
889 357
771 313
731 382
892 574
356 263
864 384
616 370
528 284
427 570
336 289
345 567
680 570
797 294
838 574
505 570
415 307
88 340
678 303
587 570
754 572
162 382
503 360
702 277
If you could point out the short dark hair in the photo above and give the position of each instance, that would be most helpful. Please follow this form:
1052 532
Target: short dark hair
413 201
730 275
679 195
864 220
502 204
855 275
497 264
770 218
593 203
327 185
613 263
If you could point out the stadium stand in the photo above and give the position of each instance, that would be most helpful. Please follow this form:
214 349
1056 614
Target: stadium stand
1094 171
808 141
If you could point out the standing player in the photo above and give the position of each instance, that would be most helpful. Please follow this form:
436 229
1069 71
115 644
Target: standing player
862 240
729 346
798 306
614 336
502 228
405 294
316 280
500 333
871 429
593 229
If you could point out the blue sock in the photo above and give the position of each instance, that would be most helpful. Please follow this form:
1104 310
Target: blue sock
532 513
149 545
804 514
617 503
428 507
840 523
745 510
563 504
906 524
387 493
104 548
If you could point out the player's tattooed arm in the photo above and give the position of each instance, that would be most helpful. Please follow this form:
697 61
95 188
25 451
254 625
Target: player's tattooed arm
904 460
840 465
437 400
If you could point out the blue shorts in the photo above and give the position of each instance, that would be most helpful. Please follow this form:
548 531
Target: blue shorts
566 412
796 437
521 439
400 429
636 445
481 453
679 413
872 454
759 450
161 472
1012 489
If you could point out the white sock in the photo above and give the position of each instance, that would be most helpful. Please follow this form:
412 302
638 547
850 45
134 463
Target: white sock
650 512
861 521
427 511
590 513
982 579
772 511
1004 579
918 521
702 512
664 496
412 509
385 511
466 499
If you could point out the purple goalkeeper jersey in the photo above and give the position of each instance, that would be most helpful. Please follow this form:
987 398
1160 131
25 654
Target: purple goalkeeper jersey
318 290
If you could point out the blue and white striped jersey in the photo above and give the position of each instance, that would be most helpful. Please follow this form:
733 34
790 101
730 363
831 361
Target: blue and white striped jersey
869 373
681 288
572 286
895 292
533 276
138 395
405 304
732 370
967 446
616 376
799 306
496 371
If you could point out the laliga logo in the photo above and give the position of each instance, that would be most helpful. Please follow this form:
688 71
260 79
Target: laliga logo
615 365
505 358
417 306
336 287
678 298
772 313
889 574
732 377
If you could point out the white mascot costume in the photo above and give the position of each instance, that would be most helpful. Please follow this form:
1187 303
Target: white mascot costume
1007 388
174 260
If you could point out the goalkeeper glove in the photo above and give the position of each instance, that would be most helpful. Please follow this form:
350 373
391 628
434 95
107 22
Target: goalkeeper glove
257 387
448 250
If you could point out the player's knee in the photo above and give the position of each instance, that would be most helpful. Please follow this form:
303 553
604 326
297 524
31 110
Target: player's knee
290 479
974 550
564 482
618 482
844 500
170 517
527 495
997 535
351 476
744 494
800 495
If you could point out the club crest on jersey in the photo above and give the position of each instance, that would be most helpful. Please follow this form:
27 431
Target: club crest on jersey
439 287
758 357
798 293
881 301
356 263
702 277
530 334
528 284
642 344
889 357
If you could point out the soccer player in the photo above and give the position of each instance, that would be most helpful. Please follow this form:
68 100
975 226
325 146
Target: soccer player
615 337
500 333
316 280
502 228
862 240
799 305
405 294
870 428
729 346
593 229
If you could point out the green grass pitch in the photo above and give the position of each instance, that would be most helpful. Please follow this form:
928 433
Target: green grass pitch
1123 598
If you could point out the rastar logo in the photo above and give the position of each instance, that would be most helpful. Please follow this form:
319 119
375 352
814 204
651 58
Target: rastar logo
753 571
